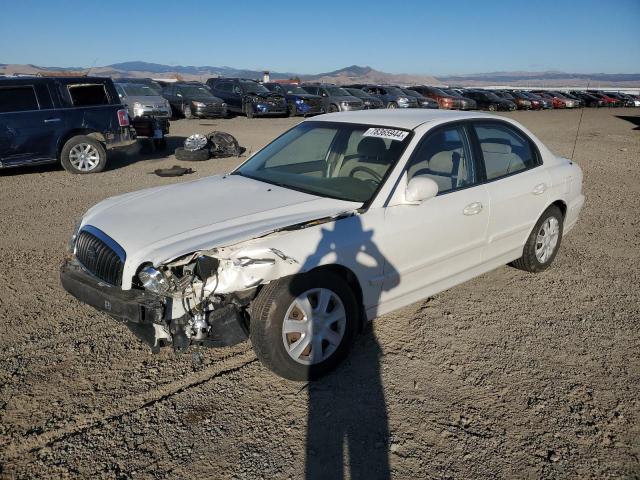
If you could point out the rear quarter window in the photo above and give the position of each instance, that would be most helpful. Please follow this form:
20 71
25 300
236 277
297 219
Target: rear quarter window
88 94
18 98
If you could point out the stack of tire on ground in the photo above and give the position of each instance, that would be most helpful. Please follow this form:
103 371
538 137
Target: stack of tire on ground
198 147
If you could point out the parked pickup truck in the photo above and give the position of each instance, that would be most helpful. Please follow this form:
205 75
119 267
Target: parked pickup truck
71 120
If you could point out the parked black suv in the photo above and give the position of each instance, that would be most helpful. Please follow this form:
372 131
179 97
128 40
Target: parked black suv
71 120
248 97
487 100
300 102
193 99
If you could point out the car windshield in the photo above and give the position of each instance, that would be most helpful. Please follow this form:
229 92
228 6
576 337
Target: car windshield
411 93
394 90
337 92
196 92
336 160
137 90
452 93
356 92
253 87
436 91
492 96
294 90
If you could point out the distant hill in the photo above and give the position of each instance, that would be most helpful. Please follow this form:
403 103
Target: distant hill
351 74
551 78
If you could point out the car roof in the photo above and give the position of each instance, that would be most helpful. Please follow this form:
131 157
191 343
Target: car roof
406 119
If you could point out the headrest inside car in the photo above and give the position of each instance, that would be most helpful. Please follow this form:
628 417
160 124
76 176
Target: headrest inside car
372 147
491 147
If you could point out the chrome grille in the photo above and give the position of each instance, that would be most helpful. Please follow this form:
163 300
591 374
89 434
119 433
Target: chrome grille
99 258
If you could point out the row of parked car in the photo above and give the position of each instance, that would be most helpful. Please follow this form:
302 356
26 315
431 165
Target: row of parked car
75 120
219 97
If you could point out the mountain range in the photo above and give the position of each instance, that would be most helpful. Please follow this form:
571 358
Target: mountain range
351 74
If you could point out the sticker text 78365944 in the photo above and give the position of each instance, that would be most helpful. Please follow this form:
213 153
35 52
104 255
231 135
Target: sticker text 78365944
390 133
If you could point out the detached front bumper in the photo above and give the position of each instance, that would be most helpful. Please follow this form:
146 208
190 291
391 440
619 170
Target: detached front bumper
135 306
151 126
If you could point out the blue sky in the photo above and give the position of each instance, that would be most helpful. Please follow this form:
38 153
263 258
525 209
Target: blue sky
441 37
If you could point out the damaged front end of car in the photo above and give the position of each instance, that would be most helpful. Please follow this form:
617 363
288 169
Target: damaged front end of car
200 298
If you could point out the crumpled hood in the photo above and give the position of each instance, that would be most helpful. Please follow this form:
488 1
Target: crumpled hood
162 223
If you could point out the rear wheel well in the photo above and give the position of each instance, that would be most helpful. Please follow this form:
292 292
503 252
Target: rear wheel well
79 131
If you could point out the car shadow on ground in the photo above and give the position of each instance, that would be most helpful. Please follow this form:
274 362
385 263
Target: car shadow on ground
117 158
143 149
347 420
631 119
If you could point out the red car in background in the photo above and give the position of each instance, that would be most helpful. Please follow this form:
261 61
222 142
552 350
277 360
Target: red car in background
609 101
555 101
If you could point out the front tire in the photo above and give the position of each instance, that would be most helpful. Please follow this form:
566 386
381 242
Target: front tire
293 111
82 154
333 108
187 112
303 326
543 242
392 105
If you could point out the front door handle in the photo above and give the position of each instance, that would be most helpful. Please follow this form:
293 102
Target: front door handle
473 208
539 189
51 120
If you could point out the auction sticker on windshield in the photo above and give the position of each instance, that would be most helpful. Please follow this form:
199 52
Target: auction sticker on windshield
390 133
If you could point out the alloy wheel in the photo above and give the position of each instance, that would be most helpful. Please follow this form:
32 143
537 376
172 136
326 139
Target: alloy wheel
547 239
84 157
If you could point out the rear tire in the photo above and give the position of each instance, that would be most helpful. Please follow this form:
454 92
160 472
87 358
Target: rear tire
82 154
195 156
543 242
332 327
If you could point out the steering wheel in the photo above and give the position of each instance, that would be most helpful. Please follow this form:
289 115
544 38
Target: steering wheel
377 178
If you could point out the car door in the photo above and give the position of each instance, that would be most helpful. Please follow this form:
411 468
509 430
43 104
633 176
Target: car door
29 125
517 186
438 243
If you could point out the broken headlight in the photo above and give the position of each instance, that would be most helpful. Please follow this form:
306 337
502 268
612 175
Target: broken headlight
72 241
153 280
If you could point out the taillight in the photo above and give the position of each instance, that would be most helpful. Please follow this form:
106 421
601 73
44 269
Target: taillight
123 118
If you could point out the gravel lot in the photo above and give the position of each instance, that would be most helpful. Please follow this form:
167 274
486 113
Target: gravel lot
511 375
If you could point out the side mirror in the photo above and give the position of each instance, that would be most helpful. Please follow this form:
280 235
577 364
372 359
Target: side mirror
419 189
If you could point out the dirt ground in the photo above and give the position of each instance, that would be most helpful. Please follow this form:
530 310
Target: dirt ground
511 375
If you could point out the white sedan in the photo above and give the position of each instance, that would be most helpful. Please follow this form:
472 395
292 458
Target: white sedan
341 219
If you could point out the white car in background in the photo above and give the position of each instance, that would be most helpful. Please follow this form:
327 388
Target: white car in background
341 219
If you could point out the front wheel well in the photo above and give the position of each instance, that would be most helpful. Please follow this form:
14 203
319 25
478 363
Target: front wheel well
562 206
354 284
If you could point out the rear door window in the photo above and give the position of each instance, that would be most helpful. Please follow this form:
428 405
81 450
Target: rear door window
18 98
505 151
88 94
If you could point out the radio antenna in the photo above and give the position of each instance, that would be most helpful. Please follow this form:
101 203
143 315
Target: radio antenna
91 67
575 142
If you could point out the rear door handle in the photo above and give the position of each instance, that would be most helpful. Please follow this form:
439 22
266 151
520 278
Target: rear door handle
51 120
473 208
539 189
